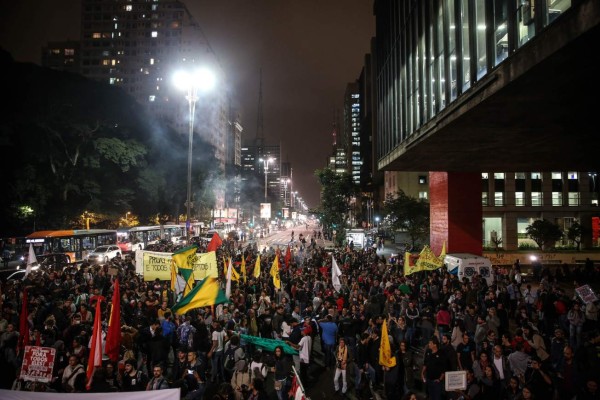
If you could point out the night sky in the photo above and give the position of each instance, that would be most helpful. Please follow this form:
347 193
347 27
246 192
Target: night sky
308 50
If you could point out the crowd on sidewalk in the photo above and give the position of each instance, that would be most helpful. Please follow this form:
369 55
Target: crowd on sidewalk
514 340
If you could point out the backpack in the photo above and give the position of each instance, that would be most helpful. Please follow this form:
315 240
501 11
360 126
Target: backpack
229 363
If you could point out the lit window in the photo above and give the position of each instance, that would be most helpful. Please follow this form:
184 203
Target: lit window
485 199
536 175
519 175
128 7
573 175
69 52
96 35
422 180
498 175
423 195
557 175
557 198
536 198
151 98
152 61
519 199
484 175
573 198
154 34
498 199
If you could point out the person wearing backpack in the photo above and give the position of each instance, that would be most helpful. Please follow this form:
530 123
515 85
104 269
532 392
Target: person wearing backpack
233 353
258 369
240 379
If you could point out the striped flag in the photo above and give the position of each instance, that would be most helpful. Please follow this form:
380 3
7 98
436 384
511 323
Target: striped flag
206 293
113 337
95 358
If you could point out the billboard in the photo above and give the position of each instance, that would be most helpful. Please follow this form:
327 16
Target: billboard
285 212
265 210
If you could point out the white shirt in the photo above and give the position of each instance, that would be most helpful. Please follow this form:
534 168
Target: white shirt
220 338
305 348
499 367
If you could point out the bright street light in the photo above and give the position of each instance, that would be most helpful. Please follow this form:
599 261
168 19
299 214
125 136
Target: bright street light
266 168
198 81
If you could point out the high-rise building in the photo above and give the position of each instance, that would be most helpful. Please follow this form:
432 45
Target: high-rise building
63 56
352 128
139 46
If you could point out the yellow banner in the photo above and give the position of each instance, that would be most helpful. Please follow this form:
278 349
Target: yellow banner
153 264
428 261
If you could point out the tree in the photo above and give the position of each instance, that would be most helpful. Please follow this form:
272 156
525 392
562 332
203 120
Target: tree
337 191
576 233
544 232
408 214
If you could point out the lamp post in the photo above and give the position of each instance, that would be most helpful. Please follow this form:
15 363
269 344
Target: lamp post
266 162
201 80
376 222
294 195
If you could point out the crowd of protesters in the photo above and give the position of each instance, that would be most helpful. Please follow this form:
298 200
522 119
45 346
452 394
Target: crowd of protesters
515 339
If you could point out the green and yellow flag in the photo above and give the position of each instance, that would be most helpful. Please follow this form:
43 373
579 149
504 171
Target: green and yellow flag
185 260
275 273
256 272
385 350
206 293
234 274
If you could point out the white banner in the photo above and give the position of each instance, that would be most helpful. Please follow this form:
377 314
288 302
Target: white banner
166 394
154 264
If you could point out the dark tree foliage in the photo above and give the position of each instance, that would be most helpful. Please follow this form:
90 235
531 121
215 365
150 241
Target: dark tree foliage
544 233
408 214
70 144
336 192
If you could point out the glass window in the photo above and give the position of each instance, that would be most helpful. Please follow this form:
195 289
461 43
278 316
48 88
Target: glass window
557 199
485 200
500 30
422 179
536 199
519 198
498 199
484 175
573 175
526 21
466 61
536 175
554 8
573 198
423 195
441 73
498 175
481 29
452 48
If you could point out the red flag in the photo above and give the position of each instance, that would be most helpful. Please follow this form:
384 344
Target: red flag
38 339
95 359
23 324
288 257
113 337
214 244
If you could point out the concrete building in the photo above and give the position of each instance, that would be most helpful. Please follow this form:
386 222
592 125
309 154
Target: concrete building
496 87
62 56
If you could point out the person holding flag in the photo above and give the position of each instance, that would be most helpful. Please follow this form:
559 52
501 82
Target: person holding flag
391 367
184 260
275 273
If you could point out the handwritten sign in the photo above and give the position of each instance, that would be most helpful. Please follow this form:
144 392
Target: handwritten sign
455 380
38 363
153 264
586 294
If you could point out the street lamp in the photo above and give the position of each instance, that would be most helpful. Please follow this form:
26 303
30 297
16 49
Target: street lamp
376 222
201 80
266 162
294 195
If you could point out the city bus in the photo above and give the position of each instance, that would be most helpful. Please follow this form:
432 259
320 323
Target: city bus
76 244
139 237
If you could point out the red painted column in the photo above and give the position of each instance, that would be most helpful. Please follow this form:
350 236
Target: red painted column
455 212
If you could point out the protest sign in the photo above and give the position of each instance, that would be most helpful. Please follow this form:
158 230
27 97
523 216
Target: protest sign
586 294
153 264
455 380
38 363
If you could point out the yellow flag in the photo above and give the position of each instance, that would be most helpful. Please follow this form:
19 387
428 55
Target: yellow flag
256 272
243 268
410 269
428 261
275 273
234 274
385 350
443 253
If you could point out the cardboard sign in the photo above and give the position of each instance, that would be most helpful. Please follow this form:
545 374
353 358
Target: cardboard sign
113 271
455 380
38 363
586 294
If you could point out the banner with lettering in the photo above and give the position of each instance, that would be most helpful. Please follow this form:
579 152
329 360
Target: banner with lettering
154 264
38 363
428 261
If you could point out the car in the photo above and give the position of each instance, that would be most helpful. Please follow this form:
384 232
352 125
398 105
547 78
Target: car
103 254
179 240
